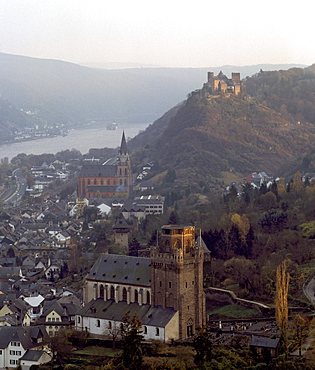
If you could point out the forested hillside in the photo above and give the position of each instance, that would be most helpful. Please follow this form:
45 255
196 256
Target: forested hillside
290 92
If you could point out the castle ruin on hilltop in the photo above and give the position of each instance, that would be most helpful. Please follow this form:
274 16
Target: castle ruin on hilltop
220 85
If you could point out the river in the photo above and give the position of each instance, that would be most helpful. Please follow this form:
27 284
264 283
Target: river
83 139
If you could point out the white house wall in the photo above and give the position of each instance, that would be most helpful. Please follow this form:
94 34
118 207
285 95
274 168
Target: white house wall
99 328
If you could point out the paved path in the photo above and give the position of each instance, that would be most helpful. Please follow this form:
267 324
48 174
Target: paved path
309 290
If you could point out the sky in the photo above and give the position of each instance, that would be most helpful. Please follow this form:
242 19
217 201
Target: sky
161 33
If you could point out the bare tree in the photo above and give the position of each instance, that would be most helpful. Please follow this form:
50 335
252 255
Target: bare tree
113 330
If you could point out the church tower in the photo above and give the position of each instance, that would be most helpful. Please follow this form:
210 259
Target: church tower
124 172
177 277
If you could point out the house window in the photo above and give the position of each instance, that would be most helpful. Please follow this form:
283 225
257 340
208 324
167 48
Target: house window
160 284
0 352
157 331
57 318
108 182
79 319
145 330
94 181
89 182
148 297
120 182
170 285
13 362
109 324
12 353
136 296
102 182
18 353
98 323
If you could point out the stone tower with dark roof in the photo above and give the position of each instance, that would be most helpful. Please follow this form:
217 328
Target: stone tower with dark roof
177 277
124 173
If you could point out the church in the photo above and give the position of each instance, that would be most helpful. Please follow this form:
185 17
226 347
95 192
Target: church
165 290
107 180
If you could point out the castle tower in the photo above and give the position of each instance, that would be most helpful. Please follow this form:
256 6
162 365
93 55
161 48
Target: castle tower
177 277
124 172
121 231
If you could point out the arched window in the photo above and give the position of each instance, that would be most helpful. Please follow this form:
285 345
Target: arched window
109 324
98 323
94 181
126 172
120 182
120 172
148 298
102 182
112 292
190 325
101 291
136 296
124 294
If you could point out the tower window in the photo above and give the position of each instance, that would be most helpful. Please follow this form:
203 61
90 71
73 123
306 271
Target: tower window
160 284
170 285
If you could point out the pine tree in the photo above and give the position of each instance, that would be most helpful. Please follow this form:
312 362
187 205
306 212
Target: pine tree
132 355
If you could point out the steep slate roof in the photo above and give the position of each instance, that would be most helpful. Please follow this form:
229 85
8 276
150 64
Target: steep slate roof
114 268
32 355
264 342
109 310
123 146
25 335
98 170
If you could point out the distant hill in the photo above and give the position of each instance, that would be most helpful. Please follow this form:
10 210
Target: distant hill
204 140
62 92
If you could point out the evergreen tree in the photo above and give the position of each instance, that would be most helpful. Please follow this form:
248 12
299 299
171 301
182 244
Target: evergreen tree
134 246
132 355
203 347
174 218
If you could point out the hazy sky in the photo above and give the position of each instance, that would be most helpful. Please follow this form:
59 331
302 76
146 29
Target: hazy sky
166 33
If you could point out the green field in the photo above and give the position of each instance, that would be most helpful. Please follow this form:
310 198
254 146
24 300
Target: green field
233 311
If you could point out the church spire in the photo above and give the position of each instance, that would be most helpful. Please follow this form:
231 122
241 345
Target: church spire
123 146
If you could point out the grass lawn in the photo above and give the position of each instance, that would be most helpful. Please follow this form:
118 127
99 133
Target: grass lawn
233 311
96 351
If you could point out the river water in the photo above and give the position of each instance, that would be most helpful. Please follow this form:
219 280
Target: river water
83 139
